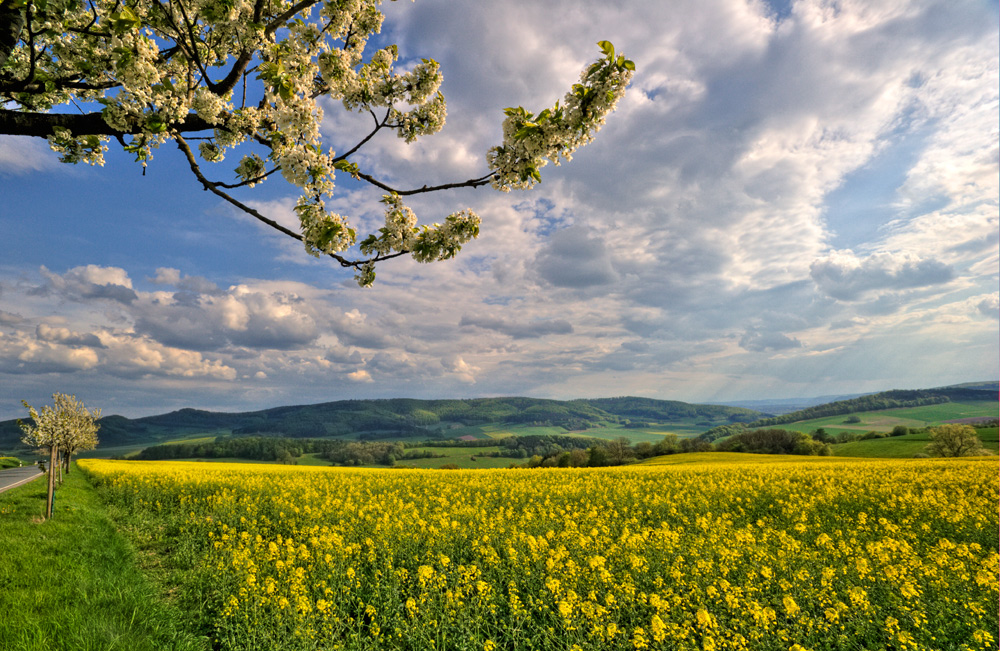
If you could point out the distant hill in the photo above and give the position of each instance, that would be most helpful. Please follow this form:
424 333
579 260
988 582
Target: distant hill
402 417
780 406
666 411
876 401
896 399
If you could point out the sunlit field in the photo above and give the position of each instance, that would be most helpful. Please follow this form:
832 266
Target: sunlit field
708 553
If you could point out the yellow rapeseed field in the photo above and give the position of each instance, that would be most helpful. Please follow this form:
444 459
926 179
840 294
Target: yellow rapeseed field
794 555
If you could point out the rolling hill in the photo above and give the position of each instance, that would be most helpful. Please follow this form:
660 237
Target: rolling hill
404 418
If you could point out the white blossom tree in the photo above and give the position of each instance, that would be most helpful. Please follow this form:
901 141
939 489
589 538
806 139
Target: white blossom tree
250 79
62 429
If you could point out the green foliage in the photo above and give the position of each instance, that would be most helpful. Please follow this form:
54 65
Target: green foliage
774 441
955 441
667 411
722 431
9 462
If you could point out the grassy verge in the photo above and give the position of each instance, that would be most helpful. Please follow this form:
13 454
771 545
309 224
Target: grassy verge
73 583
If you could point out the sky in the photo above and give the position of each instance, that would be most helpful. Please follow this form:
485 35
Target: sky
794 199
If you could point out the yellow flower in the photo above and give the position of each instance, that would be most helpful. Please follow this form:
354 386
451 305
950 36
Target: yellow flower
658 628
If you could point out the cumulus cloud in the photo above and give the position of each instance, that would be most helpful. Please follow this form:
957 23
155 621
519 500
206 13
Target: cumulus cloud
128 356
460 369
518 330
360 375
755 340
22 355
67 337
240 316
194 284
10 318
89 282
575 258
846 277
988 305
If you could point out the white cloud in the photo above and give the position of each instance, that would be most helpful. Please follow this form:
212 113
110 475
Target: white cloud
360 375
21 156
846 277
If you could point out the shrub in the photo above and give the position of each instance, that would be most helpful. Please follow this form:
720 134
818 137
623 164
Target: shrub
772 441
9 462
955 441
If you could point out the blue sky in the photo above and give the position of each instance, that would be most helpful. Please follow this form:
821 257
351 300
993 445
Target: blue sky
794 199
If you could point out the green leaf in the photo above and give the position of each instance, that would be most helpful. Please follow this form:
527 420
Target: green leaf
607 48
124 21
155 123
629 65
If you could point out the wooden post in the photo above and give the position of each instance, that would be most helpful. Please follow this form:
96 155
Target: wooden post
52 480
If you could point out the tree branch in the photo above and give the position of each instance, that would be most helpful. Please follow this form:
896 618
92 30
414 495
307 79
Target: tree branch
471 183
378 127
214 189
280 20
43 125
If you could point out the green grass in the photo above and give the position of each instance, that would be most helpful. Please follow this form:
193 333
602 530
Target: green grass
72 583
884 420
904 446
461 457
652 434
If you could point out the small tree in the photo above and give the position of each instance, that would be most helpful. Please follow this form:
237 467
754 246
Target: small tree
955 441
620 451
65 428
81 434
668 445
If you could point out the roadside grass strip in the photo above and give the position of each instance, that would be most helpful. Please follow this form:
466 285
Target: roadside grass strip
72 583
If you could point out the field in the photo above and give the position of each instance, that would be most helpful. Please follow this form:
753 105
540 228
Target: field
461 457
710 551
905 446
885 420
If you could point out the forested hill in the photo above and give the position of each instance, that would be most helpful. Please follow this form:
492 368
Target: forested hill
402 417
665 411
884 400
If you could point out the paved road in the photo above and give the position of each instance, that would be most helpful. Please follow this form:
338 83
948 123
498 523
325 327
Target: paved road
16 476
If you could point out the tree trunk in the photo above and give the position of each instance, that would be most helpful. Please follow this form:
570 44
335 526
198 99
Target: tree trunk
52 481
